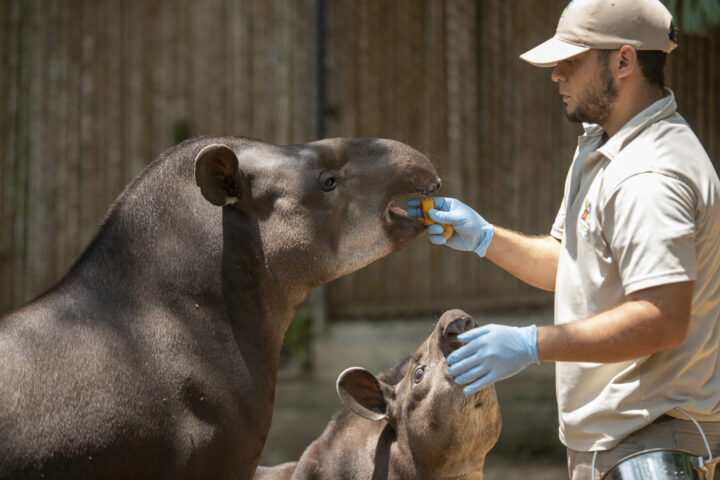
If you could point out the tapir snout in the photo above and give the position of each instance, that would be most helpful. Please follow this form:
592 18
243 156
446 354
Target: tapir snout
454 323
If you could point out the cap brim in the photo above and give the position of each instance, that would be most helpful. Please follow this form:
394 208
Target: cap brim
549 53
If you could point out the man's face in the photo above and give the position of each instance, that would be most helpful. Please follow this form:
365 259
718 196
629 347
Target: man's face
586 86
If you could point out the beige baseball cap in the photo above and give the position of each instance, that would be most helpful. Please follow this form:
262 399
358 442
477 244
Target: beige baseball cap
606 24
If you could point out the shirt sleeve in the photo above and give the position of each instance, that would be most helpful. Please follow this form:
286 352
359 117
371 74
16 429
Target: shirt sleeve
559 225
649 223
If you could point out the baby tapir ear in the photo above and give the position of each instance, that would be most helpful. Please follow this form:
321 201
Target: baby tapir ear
218 175
364 394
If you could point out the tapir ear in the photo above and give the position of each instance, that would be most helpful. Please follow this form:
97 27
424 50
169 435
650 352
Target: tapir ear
218 175
364 394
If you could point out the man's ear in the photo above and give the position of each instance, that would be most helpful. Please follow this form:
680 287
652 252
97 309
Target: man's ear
218 175
364 394
627 61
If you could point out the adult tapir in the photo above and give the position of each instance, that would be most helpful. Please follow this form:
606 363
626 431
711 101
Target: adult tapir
410 422
156 356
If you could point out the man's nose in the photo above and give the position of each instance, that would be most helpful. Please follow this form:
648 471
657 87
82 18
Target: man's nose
557 74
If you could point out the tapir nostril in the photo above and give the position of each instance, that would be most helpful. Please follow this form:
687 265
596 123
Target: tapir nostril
458 326
469 324
431 188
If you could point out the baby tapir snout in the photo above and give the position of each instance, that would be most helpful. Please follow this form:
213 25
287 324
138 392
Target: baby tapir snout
453 323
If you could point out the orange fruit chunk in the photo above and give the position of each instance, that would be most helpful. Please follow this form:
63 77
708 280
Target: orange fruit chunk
427 204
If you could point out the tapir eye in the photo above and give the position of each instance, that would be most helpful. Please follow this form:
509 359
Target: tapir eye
419 373
328 182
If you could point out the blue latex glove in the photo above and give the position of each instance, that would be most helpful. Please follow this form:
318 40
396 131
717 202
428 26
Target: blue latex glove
492 353
472 232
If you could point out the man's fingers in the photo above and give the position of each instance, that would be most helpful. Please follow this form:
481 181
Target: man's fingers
438 239
473 374
464 366
441 216
435 229
414 212
468 350
474 333
441 203
484 382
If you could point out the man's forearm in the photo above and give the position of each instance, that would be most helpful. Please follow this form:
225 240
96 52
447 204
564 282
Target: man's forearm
649 321
532 259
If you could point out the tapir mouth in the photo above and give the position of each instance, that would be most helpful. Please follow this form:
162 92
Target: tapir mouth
395 206
396 209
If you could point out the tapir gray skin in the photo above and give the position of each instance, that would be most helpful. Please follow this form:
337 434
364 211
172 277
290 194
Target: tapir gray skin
156 356
411 422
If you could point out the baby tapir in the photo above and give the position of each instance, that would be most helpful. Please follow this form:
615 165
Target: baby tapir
410 422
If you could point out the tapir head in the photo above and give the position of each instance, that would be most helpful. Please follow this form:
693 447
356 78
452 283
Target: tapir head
322 209
446 430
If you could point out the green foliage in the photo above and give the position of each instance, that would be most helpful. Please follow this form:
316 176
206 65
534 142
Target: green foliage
297 347
695 16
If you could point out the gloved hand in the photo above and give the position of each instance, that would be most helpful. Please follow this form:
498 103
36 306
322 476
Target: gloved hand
492 353
472 232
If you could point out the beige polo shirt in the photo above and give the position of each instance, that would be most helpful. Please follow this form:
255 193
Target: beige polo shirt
642 210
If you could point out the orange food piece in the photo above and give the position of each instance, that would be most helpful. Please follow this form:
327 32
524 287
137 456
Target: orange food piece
427 204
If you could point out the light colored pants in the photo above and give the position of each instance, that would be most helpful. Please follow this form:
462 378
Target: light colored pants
666 432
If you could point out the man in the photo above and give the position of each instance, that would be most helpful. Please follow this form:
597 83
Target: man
633 255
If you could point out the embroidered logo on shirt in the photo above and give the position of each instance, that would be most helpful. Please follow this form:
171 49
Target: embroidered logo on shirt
585 217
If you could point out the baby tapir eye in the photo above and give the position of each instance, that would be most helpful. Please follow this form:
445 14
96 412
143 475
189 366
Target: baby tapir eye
419 373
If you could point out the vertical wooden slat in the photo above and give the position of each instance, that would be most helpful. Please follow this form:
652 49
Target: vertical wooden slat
184 122
40 173
60 106
5 134
239 68
86 161
114 179
158 71
52 156
302 79
149 26
134 49
21 144
74 185
260 77
10 132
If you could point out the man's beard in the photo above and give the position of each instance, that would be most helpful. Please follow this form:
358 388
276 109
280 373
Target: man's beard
594 105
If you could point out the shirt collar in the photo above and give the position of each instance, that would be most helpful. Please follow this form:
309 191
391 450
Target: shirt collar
663 108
